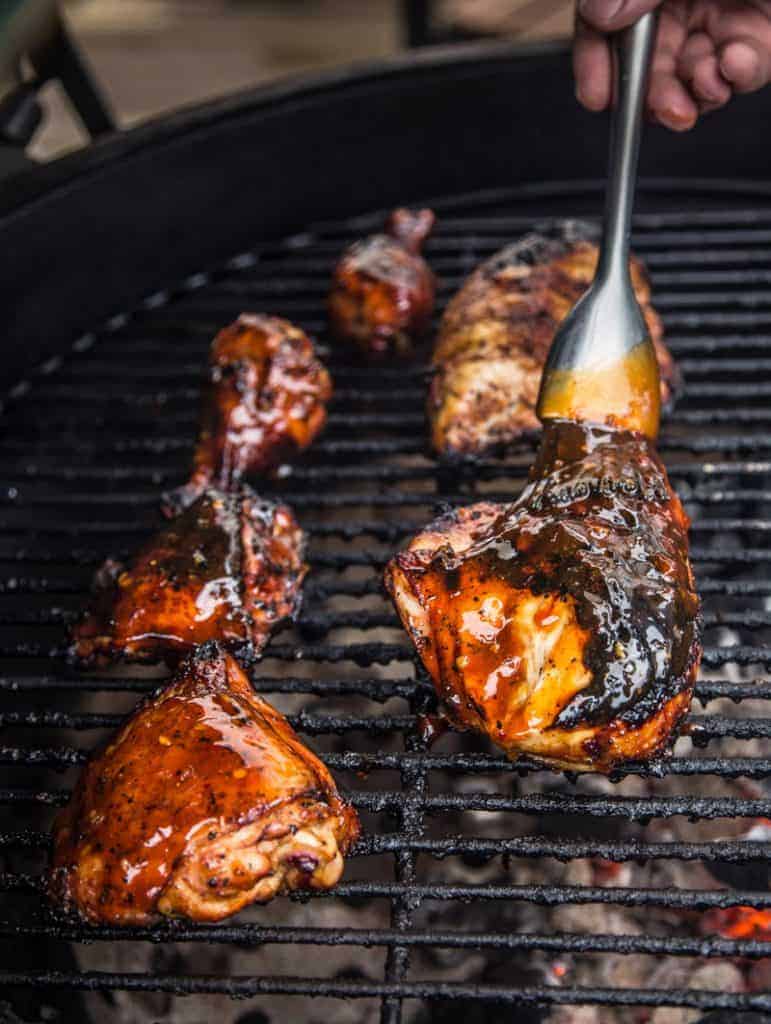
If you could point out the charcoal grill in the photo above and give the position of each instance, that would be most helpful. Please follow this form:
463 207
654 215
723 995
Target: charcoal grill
126 260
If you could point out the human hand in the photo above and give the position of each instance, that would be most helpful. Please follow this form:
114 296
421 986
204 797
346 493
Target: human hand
705 51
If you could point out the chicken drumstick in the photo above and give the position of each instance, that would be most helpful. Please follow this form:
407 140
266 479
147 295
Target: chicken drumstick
230 568
382 293
265 399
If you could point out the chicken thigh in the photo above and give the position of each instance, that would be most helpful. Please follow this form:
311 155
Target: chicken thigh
203 803
565 625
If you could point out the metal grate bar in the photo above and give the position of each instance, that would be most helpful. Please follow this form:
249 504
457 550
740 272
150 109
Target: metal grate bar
542 895
723 851
368 686
727 767
382 653
319 590
324 622
703 726
257 934
247 987
640 809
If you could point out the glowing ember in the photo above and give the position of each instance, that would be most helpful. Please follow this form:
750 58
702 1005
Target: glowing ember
606 872
739 923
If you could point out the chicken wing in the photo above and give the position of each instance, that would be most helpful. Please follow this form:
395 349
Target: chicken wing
264 400
230 568
382 293
203 803
496 333
565 625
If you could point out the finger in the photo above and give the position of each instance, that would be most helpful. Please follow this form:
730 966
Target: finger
697 46
611 15
741 33
699 70
669 101
592 67
708 86
746 64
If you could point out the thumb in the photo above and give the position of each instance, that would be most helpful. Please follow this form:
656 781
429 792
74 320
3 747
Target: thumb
612 15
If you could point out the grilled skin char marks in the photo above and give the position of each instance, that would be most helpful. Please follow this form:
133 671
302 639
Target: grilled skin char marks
495 335
203 803
230 568
383 291
565 625
264 400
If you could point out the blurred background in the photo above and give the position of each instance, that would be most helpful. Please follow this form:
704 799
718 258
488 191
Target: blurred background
150 56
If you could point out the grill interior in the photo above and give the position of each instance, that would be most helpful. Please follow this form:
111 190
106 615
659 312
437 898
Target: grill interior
91 438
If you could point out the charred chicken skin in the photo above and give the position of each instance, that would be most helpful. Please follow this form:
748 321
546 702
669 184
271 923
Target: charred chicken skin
230 568
383 291
565 625
203 803
264 400
496 333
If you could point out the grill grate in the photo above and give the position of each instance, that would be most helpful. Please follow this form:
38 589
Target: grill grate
91 438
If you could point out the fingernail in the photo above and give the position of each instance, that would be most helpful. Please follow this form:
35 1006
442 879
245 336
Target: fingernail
601 11
676 120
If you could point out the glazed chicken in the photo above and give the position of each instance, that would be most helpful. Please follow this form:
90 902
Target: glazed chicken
565 625
264 400
382 293
230 568
203 803
496 332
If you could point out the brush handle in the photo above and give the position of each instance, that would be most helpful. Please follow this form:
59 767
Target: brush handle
601 366
632 52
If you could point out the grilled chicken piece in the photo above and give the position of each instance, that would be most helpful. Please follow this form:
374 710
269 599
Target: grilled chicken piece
204 802
230 568
264 400
565 625
496 333
382 293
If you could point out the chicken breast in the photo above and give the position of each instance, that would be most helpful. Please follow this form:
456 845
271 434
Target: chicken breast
496 332
204 802
230 568
565 625
264 400
383 291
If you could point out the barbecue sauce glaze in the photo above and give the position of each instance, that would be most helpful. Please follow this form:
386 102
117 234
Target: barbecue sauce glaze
203 802
264 400
565 624
229 568
596 522
383 291
624 394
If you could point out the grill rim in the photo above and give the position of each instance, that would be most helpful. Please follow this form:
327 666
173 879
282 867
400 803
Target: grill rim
78 192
